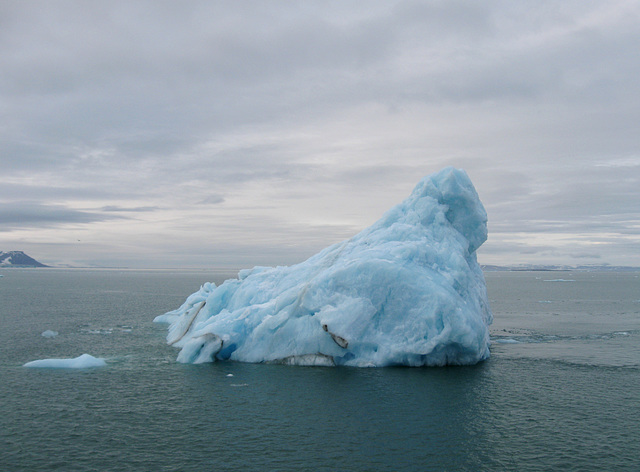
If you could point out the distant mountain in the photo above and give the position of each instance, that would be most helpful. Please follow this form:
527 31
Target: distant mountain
18 259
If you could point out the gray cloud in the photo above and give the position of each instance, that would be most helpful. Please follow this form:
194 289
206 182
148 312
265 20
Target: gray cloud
317 117
212 200
585 256
115 208
37 215
36 191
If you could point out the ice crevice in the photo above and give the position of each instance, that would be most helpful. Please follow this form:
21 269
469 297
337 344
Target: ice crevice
406 291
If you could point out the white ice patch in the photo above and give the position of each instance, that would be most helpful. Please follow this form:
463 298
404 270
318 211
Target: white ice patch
81 362
49 334
405 291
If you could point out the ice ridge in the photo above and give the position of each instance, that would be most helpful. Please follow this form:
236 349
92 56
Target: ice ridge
406 291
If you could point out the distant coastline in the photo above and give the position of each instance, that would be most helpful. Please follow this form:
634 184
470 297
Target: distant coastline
557 268
19 259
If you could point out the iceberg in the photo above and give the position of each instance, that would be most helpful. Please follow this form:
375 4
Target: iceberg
406 291
81 362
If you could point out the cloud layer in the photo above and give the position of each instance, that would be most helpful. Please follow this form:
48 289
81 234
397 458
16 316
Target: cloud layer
241 133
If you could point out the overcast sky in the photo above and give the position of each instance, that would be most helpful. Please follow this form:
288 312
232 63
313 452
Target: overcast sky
241 133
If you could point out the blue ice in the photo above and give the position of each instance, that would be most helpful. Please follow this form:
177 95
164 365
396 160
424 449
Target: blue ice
406 291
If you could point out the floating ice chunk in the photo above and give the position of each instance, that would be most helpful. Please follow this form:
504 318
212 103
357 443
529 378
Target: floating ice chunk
560 280
405 291
507 341
104 331
81 362
49 334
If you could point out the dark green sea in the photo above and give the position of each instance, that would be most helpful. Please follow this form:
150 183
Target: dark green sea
561 390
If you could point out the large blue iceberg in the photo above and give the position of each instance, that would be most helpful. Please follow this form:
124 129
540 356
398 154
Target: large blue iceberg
406 291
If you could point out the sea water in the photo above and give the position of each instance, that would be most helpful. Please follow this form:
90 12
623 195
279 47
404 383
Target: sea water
560 391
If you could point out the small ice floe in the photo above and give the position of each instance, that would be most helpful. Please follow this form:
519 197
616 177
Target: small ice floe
621 333
229 375
239 385
107 331
49 334
81 362
545 301
97 330
507 341
560 280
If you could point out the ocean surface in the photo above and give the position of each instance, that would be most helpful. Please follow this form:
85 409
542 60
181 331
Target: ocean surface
561 390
